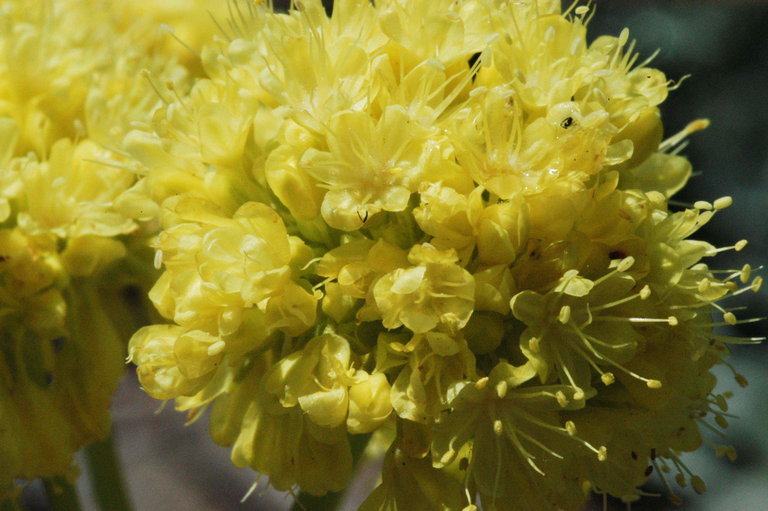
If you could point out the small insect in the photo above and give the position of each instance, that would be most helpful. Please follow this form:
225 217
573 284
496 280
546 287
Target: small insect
567 123
363 218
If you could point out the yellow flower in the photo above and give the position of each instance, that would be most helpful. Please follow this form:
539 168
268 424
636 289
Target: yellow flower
369 167
68 83
232 276
451 218
434 292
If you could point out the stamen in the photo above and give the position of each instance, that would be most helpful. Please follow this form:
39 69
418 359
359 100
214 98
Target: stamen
148 76
692 127
643 294
650 383
670 494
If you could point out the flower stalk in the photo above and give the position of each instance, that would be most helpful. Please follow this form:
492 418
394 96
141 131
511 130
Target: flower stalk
106 476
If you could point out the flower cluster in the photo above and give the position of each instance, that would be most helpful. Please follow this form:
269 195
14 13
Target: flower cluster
443 222
70 242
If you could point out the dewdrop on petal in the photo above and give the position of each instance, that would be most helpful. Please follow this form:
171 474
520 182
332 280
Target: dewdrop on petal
452 231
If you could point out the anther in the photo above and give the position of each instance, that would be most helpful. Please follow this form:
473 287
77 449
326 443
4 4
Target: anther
501 389
625 264
653 384
498 427
703 285
746 271
158 259
216 348
702 204
741 380
672 320
570 428
562 400
730 318
680 478
481 383
534 344
607 378
645 292
602 453
721 421
565 314
723 202
756 283
721 402
698 484
739 246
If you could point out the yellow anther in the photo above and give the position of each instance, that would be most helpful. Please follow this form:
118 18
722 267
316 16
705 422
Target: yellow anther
581 10
534 344
739 246
578 395
730 318
498 427
703 285
723 202
565 314
501 389
216 348
746 271
625 264
570 427
608 378
481 383
645 293
702 204
672 320
721 421
698 484
741 380
697 125
602 453
680 478
756 284
562 400
653 384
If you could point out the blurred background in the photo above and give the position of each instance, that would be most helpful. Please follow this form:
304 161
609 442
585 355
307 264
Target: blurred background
723 46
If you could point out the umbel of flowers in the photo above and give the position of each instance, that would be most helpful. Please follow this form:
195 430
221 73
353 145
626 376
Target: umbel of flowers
70 87
443 222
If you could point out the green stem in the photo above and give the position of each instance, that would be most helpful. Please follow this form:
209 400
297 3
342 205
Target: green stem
330 501
62 495
106 476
